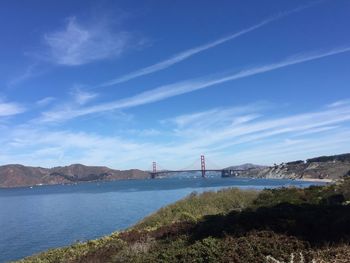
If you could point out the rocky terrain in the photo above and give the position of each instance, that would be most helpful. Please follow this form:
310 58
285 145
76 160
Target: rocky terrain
324 167
15 175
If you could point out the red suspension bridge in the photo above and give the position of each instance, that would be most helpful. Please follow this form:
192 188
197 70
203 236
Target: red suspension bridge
224 171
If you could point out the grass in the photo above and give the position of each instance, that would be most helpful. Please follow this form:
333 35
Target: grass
231 225
195 206
78 251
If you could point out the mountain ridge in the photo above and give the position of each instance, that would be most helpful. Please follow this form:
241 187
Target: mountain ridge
18 175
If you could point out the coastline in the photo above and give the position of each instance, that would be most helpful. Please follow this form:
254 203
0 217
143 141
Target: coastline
127 179
71 183
317 180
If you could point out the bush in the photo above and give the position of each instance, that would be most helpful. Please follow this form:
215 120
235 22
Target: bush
195 206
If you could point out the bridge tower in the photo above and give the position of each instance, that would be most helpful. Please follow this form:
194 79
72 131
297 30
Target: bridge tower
203 165
154 170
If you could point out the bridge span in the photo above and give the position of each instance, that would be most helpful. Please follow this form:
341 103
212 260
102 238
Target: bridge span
224 172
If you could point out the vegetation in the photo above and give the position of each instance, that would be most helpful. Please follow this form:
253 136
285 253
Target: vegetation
341 158
276 225
194 207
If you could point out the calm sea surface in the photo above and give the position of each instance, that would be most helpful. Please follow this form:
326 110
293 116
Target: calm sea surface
38 218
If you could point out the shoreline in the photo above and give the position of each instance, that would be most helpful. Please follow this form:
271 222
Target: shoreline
105 181
317 180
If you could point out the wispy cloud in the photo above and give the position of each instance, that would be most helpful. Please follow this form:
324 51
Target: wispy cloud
79 44
249 133
10 108
262 139
82 97
193 51
30 71
45 101
175 89
339 103
143 132
200 122
282 151
42 147
229 132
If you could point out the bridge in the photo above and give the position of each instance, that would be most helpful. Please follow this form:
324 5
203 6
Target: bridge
224 172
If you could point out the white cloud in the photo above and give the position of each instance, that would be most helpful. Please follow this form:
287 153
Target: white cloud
281 151
30 71
143 132
228 137
36 146
175 89
339 103
79 44
238 134
10 108
180 57
45 101
82 97
218 116
229 134
193 51
316 130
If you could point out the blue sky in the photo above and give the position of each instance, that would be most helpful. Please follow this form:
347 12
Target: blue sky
125 83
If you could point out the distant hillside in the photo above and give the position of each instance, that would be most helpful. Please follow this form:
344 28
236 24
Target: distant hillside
324 167
245 166
15 175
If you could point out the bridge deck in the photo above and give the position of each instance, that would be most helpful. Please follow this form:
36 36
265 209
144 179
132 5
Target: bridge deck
189 171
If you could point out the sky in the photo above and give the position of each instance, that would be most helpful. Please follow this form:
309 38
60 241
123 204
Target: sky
125 83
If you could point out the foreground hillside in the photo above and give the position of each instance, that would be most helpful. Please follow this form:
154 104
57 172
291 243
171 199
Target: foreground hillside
281 225
15 175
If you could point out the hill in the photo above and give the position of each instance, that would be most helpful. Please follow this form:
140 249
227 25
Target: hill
15 175
324 167
245 166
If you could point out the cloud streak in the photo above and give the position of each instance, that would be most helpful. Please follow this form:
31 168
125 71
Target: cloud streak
9 109
29 72
240 134
45 101
258 135
176 89
82 97
193 51
295 125
77 44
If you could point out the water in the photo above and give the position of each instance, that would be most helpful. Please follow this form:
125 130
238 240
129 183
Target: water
39 218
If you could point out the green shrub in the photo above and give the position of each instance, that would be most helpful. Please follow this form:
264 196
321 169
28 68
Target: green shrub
194 207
